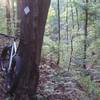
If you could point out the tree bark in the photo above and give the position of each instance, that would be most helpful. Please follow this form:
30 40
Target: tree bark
72 13
59 37
31 39
8 17
71 54
85 34
18 17
67 21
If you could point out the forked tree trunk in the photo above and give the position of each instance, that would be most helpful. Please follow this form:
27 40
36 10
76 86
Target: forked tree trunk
32 31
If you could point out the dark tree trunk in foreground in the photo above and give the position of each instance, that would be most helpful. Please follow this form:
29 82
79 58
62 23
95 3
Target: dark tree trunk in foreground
32 31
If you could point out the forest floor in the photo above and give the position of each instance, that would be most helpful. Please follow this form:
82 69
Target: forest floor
59 85
56 84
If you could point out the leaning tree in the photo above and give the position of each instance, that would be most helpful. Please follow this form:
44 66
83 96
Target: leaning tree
33 15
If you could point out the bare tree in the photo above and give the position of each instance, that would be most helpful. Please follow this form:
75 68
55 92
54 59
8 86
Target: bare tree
77 15
85 33
72 13
59 38
67 19
71 53
8 16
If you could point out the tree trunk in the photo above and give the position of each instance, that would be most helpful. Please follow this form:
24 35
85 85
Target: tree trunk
13 15
72 13
67 21
59 38
18 16
8 17
77 14
85 34
32 24
71 54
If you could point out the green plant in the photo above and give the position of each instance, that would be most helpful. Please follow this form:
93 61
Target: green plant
89 85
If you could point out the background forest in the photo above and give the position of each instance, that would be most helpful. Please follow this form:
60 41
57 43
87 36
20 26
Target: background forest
71 39
79 31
